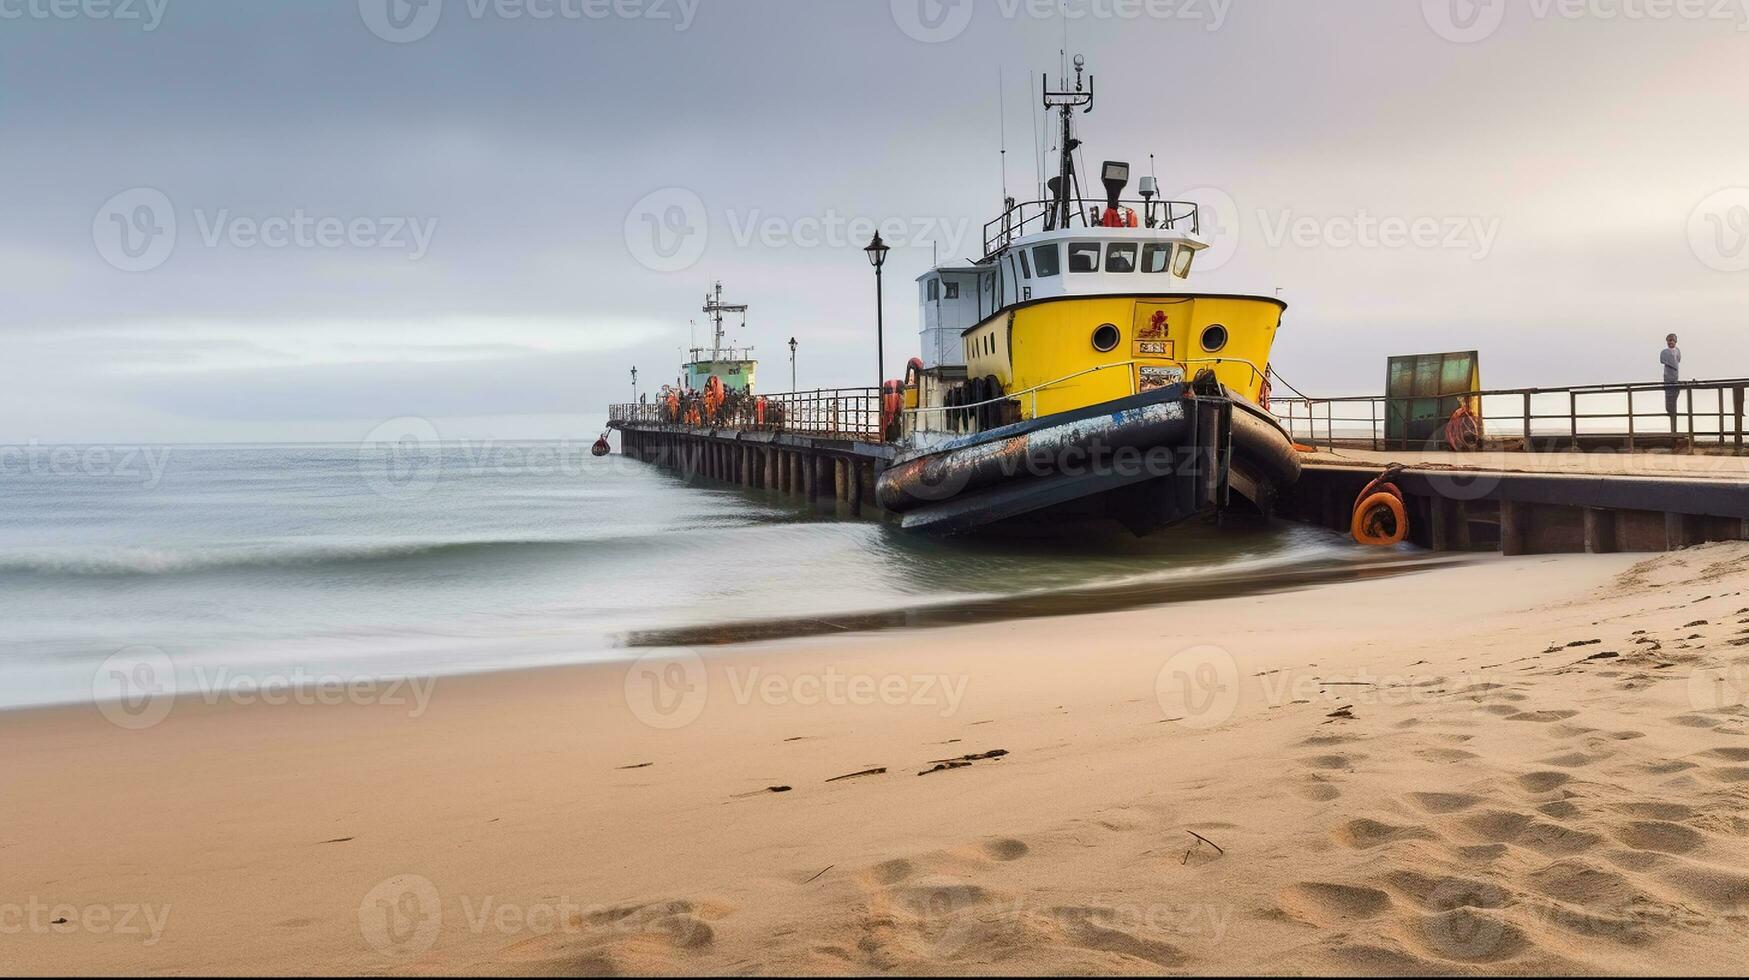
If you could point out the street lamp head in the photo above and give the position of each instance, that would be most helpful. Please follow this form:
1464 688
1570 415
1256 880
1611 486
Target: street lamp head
877 251
792 345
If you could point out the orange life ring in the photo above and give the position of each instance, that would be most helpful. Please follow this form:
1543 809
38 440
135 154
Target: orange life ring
1381 519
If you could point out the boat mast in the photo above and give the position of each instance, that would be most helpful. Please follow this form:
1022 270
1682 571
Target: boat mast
714 305
1067 189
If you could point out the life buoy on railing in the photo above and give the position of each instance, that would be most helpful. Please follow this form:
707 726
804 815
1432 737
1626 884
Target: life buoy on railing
1119 218
713 398
759 412
1463 433
892 403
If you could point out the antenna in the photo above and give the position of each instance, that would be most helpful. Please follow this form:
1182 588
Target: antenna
1066 102
714 305
1002 122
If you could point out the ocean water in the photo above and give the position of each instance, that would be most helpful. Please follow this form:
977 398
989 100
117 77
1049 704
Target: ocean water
301 562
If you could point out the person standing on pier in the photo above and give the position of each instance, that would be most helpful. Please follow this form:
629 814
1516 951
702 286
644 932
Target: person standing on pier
1671 358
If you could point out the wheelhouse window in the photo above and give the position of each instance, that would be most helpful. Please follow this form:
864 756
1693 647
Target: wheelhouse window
953 290
1156 257
1121 257
1083 256
1025 267
1181 262
934 289
1047 260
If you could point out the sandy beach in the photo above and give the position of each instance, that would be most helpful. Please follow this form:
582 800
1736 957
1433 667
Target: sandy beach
1524 765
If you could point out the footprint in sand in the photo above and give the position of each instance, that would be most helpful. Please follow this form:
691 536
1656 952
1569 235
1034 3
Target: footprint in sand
1559 810
1541 717
1656 811
1542 782
1444 802
1364 834
1446 755
617 940
1318 792
1587 885
1321 903
1333 761
1660 836
1006 849
1106 931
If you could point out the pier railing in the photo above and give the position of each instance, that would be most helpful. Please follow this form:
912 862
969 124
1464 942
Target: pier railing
828 413
1709 417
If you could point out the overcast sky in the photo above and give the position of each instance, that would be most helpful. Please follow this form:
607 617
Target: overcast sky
240 221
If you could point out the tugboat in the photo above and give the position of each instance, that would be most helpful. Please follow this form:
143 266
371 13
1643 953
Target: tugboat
733 367
1073 371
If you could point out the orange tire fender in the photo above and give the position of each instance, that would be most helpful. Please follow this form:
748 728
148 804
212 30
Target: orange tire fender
1381 520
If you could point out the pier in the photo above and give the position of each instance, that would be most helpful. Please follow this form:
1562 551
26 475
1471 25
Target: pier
1591 469
819 446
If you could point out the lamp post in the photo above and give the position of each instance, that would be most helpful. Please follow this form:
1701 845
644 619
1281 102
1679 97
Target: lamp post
877 257
634 386
792 365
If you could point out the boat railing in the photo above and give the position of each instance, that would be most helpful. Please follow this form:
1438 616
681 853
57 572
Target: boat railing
1033 392
1031 217
1709 417
851 414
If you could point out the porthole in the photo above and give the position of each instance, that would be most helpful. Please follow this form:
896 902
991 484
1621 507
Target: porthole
1214 338
1106 338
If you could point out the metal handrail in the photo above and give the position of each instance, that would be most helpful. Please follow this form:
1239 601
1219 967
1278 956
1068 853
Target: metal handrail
831 412
1004 229
1033 391
1722 421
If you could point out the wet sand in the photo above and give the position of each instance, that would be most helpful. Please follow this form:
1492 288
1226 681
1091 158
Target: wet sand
1515 765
